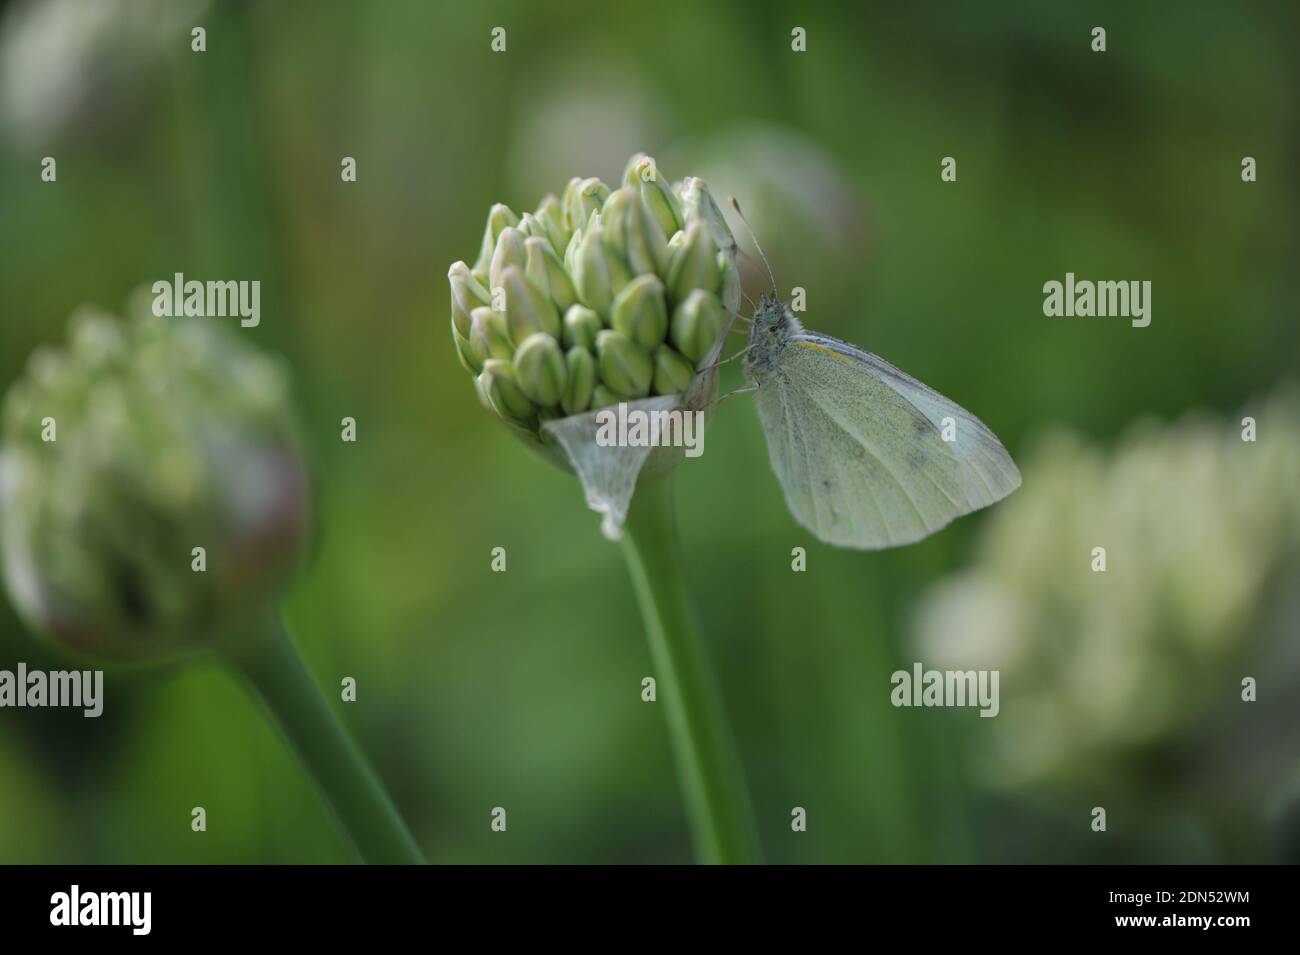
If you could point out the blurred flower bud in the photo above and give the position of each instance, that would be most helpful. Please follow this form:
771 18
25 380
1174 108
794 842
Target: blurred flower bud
528 309
641 313
540 369
546 271
499 217
624 367
488 337
696 324
125 453
604 397
509 251
647 246
467 294
550 214
503 392
580 365
580 327
660 201
673 373
598 272
694 264
581 200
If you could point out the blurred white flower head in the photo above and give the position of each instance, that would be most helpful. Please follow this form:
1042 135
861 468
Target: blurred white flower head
62 61
1131 677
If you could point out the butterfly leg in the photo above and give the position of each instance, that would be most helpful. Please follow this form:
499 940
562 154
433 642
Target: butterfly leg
731 394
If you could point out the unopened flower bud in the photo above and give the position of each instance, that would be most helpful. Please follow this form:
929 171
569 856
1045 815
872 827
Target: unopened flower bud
509 251
469 357
547 272
695 264
175 444
580 365
641 313
499 217
660 200
647 246
603 397
540 369
613 217
580 327
624 367
508 400
581 200
697 321
528 309
488 336
550 214
673 373
467 294
599 273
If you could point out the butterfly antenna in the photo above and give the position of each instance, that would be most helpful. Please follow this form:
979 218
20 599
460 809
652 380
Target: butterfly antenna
753 238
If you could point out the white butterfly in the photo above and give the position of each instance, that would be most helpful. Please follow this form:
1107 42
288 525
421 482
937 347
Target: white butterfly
858 446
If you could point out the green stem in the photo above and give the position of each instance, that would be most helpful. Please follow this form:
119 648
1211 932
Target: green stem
718 809
360 803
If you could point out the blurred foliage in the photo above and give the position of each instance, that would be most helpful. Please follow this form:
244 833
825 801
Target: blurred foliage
521 690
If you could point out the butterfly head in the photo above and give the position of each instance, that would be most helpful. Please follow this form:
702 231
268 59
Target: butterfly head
773 327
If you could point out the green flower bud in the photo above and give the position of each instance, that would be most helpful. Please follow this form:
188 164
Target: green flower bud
673 373
499 217
469 357
488 336
169 435
598 272
729 288
529 227
624 367
695 264
571 254
641 313
467 294
547 272
540 369
580 327
646 247
528 309
509 251
698 206
603 397
581 367
613 217
551 216
660 200
581 200
502 390
696 324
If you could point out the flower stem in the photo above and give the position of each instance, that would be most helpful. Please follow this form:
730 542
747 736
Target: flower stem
718 808
361 805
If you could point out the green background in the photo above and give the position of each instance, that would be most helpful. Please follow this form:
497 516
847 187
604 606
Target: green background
522 689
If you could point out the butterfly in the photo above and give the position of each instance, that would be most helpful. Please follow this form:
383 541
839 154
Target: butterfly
868 456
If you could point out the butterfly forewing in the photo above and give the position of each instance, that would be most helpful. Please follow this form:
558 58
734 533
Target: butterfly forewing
858 449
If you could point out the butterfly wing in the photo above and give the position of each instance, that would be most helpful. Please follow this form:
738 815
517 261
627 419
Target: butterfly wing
859 450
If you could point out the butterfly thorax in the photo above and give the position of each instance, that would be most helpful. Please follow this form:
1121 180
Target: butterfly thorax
773 327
